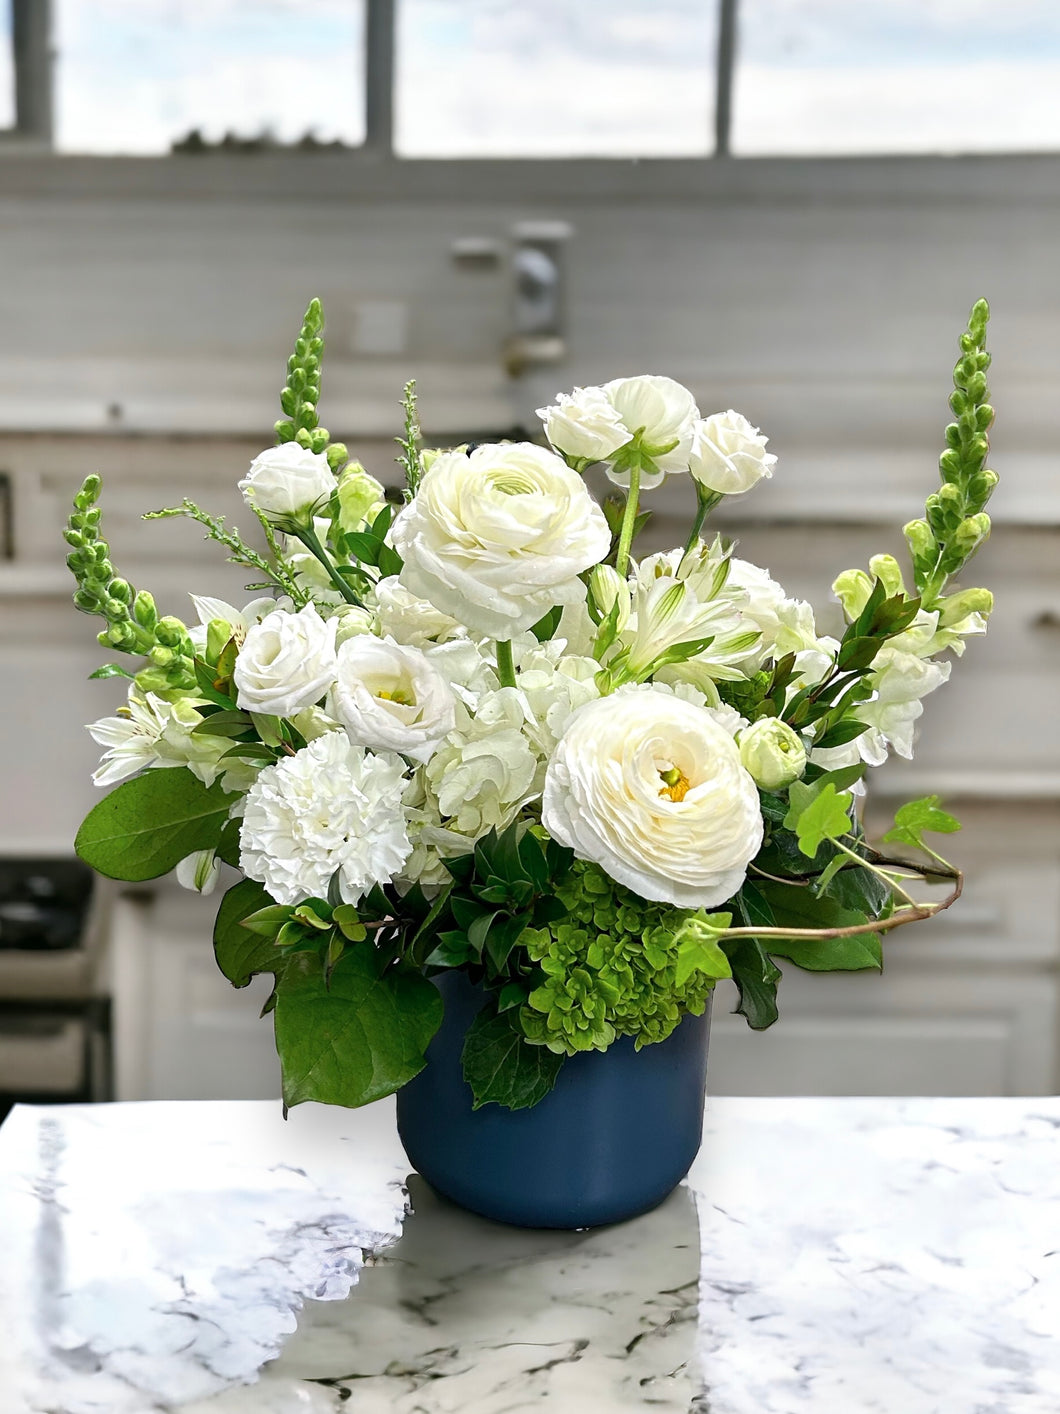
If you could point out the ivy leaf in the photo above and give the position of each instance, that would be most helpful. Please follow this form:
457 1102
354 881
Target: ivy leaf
756 976
860 890
912 820
697 946
240 953
817 815
146 826
502 1067
357 1039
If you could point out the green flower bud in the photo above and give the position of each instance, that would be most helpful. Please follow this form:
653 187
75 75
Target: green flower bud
170 632
887 569
337 454
74 538
957 607
852 589
920 539
162 657
218 632
152 680
772 753
144 610
971 533
114 610
89 492
121 590
86 600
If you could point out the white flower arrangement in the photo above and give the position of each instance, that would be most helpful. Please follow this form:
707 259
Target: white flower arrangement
478 733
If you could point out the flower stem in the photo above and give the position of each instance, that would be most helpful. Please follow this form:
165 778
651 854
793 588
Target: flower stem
505 664
706 500
311 541
629 518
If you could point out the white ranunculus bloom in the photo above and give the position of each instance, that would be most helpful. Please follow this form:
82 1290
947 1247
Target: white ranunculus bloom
331 807
390 698
664 413
497 537
584 425
287 480
409 619
286 663
729 454
652 789
773 753
485 771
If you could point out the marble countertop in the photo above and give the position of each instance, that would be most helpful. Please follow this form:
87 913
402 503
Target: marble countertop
825 1256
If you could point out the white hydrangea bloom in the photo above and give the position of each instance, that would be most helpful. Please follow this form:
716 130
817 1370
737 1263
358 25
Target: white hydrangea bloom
485 771
554 690
331 807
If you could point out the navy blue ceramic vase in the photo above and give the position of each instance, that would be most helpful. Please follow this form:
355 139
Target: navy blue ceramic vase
616 1135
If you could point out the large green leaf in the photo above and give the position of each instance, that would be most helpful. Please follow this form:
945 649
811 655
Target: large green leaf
240 953
149 824
830 954
796 906
756 977
501 1065
357 1039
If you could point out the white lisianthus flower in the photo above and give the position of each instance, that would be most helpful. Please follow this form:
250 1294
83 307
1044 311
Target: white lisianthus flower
498 537
485 771
664 414
287 480
149 731
332 807
729 454
772 753
390 698
584 425
401 615
652 789
286 663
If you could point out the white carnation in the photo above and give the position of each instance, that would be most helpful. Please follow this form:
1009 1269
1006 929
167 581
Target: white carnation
497 537
287 480
331 807
584 425
286 663
485 771
729 454
391 698
652 789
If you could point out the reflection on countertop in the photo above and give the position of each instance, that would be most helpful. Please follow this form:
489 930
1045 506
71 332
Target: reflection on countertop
826 1256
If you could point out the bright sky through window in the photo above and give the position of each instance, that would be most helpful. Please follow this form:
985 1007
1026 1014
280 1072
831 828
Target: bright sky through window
133 75
7 76
834 76
548 78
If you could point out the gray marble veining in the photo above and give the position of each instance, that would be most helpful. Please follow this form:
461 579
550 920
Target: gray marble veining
825 1257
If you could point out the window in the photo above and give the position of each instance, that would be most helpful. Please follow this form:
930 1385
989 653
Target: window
948 76
548 78
137 76
7 71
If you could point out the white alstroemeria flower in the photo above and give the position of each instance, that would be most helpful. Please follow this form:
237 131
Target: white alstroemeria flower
287 481
391 698
664 414
149 731
584 425
485 771
729 454
403 616
199 871
208 609
786 625
286 663
498 537
332 807
652 789
666 612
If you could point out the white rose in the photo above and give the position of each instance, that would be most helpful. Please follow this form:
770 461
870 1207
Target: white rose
408 619
286 663
772 753
664 413
728 454
498 537
285 480
652 789
390 698
584 425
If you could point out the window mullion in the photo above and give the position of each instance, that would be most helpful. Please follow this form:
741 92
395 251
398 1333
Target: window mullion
723 89
32 52
379 76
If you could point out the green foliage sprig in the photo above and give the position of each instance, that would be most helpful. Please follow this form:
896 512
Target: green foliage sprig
277 573
409 442
133 622
955 522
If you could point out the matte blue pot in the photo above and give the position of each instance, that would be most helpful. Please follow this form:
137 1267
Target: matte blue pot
615 1136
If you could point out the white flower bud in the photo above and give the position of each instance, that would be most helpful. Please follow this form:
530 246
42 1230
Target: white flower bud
729 454
584 425
287 480
772 753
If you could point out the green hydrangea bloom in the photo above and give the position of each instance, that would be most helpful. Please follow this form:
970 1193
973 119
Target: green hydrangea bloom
610 968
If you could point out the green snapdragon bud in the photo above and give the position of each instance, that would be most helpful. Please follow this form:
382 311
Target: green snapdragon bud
971 533
170 632
162 657
920 539
144 611
121 590
887 570
957 607
89 492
